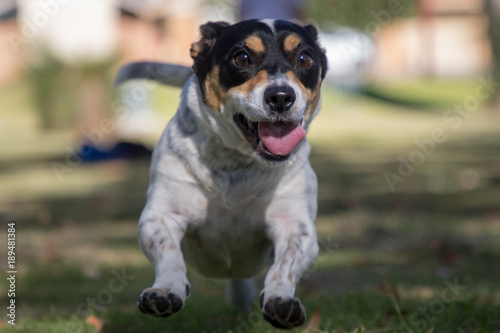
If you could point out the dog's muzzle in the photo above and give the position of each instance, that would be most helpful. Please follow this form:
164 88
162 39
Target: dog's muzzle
273 141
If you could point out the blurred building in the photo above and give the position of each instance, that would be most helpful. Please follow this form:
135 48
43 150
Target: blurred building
94 30
159 30
447 38
73 31
10 65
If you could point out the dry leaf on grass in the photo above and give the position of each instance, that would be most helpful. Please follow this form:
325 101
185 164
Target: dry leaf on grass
314 322
96 322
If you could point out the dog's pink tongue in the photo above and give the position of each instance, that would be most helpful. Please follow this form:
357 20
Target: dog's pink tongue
281 138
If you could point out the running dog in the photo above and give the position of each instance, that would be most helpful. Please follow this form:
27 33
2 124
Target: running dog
231 188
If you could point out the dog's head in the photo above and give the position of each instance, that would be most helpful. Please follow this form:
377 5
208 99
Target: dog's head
264 78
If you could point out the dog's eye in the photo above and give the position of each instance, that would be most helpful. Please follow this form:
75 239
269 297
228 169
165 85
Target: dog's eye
305 59
241 59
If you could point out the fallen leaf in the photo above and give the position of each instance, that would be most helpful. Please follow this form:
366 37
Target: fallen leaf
96 322
314 322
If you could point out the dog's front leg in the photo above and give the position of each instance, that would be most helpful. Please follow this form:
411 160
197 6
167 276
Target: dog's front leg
160 235
295 248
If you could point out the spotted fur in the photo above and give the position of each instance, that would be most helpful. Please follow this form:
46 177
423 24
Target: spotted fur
216 200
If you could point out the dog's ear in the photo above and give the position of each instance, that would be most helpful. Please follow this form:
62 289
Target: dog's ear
311 29
209 33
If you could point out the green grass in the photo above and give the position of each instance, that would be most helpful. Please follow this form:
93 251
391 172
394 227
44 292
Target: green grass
420 259
426 94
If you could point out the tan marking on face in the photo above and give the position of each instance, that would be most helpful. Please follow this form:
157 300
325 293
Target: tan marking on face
255 44
312 96
195 49
291 42
215 95
247 87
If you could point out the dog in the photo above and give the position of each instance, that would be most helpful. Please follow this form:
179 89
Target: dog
231 188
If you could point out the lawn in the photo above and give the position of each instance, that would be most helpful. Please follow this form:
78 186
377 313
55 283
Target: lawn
418 253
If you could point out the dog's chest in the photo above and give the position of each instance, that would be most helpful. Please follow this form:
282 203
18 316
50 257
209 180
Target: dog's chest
231 239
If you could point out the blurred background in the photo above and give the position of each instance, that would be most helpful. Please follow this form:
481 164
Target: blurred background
406 148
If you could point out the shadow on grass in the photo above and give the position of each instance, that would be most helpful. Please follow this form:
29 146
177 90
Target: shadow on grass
64 297
387 258
121 198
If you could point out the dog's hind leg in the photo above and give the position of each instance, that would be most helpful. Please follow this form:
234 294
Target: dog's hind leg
241 293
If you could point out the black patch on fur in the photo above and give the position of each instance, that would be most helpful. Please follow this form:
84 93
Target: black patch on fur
308 76
303 230
187 123
220 42
210 32
231 42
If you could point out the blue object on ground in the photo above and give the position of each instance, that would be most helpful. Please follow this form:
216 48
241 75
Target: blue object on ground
122 150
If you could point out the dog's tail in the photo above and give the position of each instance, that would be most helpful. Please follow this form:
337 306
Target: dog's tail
168 74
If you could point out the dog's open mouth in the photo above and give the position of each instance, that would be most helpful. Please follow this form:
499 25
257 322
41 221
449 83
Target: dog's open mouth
273 140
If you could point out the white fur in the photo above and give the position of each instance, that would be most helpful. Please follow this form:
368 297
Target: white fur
212 204
270 24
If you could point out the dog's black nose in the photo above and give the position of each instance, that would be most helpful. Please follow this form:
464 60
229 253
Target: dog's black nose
279 98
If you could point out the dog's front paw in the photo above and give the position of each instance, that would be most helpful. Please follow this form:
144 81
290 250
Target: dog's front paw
159 302
284 313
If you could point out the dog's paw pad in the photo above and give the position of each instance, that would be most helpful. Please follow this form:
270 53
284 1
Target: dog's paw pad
284 313
159 302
